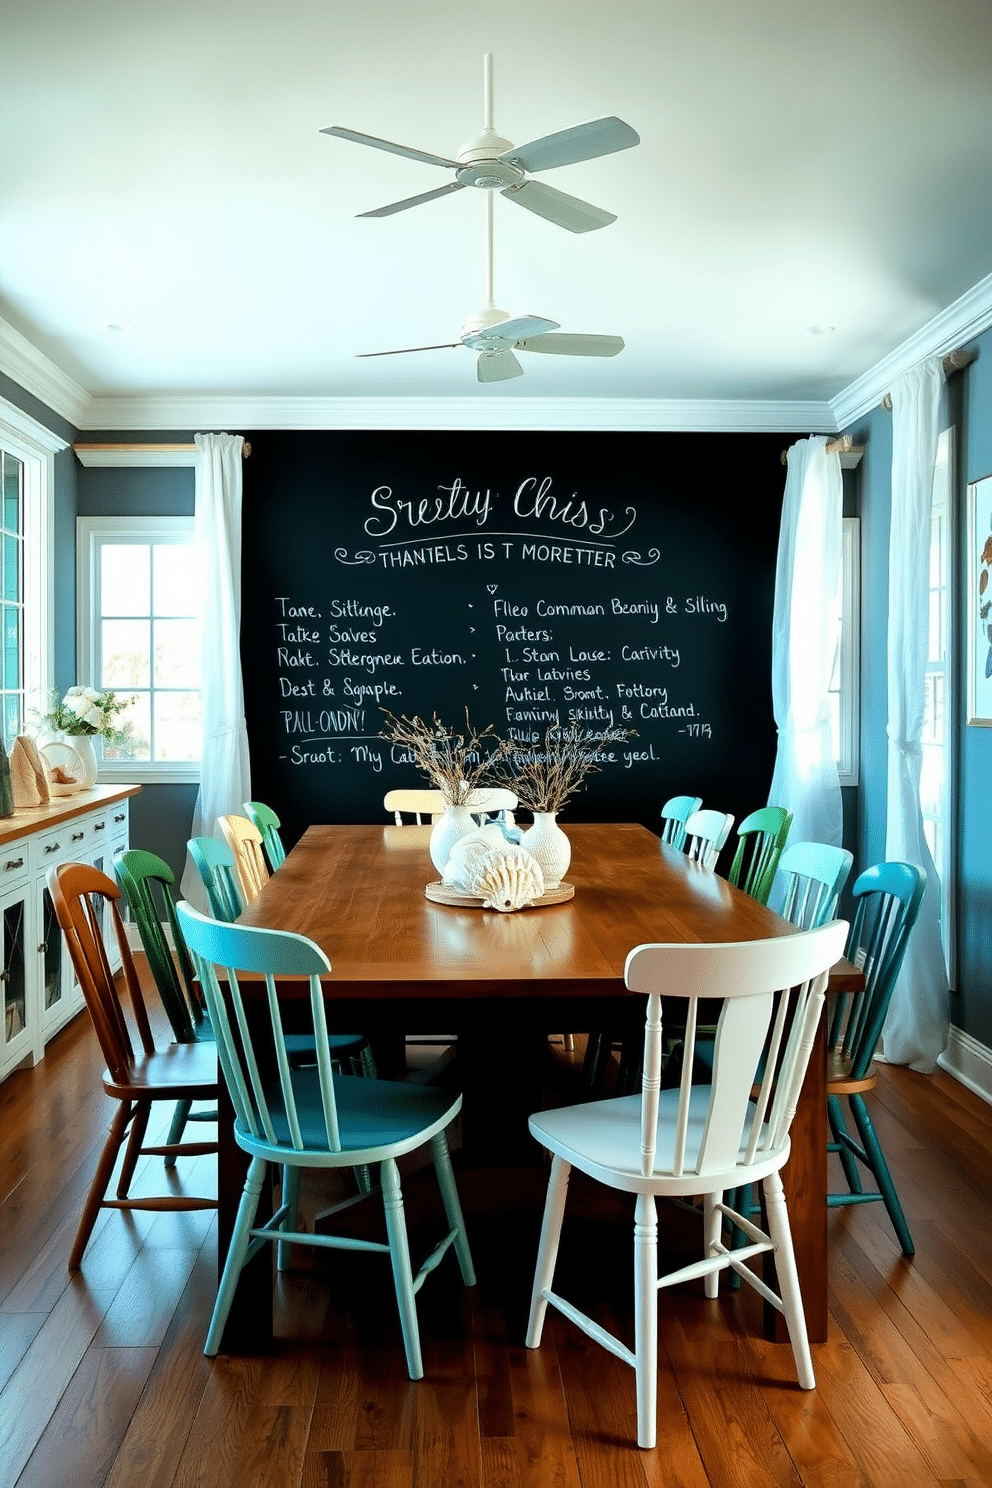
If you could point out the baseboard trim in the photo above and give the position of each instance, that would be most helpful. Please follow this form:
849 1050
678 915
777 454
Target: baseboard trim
968 1061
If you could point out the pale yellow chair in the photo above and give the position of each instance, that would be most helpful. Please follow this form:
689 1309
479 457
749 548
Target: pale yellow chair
245 842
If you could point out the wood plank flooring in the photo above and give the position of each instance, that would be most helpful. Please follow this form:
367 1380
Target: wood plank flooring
103 1385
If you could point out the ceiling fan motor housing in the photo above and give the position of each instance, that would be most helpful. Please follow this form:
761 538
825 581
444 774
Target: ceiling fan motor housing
480 165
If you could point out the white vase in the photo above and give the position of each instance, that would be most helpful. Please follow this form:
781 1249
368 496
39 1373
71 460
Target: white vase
85 747
453 823
546 842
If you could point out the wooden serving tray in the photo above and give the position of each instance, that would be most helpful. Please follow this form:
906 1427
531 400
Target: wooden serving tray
441 893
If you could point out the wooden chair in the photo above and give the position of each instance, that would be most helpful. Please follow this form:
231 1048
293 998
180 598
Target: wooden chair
420 804
214 862
148 883
315 1119
138 1073
697 1140
674 815
264 819
761 838
812 875
245 842
705 834
888 903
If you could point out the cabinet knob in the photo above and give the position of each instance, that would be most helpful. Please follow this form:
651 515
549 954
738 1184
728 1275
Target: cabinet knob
53 847
78 836
13 863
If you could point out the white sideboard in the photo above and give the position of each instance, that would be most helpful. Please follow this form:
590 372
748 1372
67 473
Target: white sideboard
38 992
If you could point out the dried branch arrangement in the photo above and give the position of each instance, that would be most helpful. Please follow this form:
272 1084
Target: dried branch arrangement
455 763
544 774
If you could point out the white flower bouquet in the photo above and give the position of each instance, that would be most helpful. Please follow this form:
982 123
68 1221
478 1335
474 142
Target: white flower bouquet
85 711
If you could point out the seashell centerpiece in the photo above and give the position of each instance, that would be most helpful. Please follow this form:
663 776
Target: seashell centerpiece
502 874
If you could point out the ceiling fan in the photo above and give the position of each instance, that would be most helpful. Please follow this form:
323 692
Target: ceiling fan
495 335
491 163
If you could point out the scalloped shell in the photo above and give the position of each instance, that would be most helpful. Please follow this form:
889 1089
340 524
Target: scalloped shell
507 878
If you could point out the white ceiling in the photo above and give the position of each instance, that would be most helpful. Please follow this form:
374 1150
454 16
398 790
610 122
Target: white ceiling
803 164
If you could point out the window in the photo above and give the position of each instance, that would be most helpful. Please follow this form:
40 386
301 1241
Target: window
935 775
27 484
139 636
843 694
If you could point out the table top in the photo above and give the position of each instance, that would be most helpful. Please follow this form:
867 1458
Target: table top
358 891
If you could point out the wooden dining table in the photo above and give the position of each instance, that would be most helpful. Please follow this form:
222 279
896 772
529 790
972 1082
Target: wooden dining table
502 982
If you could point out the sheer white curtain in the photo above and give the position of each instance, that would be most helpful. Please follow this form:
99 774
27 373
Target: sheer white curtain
916 1027
225 782
804 641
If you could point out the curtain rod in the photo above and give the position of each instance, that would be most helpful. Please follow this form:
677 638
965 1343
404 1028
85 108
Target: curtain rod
157 449
845 445
955 361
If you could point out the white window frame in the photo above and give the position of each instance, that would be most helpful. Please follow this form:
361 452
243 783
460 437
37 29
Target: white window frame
91 534
35 447
848 757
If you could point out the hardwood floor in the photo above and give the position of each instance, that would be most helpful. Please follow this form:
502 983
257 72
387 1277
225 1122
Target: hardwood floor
103 1385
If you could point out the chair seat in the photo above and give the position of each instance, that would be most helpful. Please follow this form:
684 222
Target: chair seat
177 1072
376 1118
840 1081
602 1138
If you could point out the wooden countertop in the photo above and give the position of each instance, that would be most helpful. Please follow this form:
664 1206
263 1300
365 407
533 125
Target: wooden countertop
31 819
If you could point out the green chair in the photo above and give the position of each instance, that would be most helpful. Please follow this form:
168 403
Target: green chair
265 820
214 862
761 838
313 1118
888 903
674 815
218 872
811 876
148 884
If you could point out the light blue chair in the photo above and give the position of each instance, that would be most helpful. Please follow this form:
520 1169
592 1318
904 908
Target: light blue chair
811 878
674 815
888 904
265 820
761 838
313 1118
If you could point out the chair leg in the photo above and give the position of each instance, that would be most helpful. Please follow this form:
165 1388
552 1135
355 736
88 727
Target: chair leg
290 1200
101 1178
237 1251
139 1126
179 1119
452 1206
880 1168
788 1278
646 1318
547 1250
399 1254
712 1228
838 1127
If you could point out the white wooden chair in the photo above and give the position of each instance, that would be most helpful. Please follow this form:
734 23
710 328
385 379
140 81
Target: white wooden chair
697 1139
705 834
427 805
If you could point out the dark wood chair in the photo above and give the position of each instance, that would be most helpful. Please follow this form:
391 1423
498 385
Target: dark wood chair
138 1073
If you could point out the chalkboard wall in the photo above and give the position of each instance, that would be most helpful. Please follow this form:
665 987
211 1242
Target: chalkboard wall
603 579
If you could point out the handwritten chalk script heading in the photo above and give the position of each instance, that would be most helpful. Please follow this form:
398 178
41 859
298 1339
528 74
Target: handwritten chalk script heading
533 498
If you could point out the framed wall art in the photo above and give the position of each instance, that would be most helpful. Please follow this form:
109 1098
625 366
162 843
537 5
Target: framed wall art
978 620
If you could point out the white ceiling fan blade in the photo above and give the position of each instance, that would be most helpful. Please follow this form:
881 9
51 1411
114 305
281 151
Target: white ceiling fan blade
401 350
523 325
581 142
497 366
413 201
557 207
380 144
569 345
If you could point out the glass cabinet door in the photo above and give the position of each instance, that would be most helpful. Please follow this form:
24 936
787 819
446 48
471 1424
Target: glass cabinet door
14 1030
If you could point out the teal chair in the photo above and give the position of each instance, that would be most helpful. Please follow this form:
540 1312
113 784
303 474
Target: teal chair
214 861
265 820
674 815
148 885
314 1119
811 878
761 838
888 899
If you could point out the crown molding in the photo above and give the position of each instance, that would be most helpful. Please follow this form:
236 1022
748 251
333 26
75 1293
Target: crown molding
40 377
951 330
215 413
